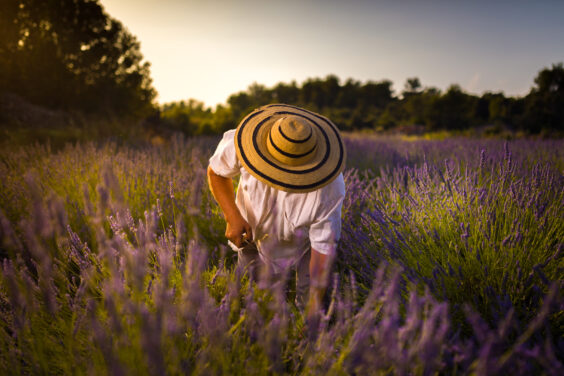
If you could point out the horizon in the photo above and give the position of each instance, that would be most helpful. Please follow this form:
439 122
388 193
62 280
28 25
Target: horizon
481 47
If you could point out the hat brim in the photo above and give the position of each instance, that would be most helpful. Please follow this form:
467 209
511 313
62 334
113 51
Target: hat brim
251 147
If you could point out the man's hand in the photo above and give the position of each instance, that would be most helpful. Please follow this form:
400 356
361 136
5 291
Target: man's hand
238 229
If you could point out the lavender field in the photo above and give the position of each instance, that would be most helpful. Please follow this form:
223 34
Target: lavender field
113 261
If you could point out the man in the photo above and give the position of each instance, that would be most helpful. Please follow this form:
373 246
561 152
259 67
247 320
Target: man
287 213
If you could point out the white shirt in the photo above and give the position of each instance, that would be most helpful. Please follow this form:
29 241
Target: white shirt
284 224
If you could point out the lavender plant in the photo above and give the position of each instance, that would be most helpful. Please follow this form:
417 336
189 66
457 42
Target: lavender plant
490 236
113 263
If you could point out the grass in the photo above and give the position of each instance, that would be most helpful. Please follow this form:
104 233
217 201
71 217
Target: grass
450 262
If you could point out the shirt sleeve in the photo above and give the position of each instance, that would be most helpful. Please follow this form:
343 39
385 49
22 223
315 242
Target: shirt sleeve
325 230
224 161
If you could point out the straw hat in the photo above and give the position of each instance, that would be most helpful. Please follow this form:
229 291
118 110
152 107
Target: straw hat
290 148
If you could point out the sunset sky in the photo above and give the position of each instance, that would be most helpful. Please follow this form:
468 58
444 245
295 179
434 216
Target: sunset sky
209 49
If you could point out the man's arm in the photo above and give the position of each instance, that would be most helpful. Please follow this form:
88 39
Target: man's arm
222 190
319 267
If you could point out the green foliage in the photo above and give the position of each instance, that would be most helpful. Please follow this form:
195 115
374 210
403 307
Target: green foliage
95 67
73 49
113 263
476 244
544 106
372 105
191 118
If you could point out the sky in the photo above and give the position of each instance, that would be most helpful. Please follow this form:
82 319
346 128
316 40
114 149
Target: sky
210 49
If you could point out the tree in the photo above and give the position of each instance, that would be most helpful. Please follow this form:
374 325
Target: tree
240 104
377 94
550 80
349 94
412 86
286 93
454 110
70 54
193 119
544 105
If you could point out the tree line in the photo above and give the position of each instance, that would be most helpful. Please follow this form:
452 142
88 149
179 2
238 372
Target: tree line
69 55
353 105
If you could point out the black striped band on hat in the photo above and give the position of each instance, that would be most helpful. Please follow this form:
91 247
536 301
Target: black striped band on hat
290 155
277 182
295 141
